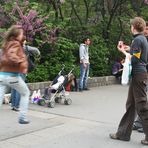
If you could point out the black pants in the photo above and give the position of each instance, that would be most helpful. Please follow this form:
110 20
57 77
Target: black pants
136 102
118 74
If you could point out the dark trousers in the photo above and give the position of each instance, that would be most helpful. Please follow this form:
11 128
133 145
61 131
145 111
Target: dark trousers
118 74
136 102
137 122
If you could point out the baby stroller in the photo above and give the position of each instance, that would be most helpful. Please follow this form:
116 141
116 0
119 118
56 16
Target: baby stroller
56 93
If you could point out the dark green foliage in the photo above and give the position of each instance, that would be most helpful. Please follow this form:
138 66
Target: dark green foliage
99 57
39 74
57 28
63 52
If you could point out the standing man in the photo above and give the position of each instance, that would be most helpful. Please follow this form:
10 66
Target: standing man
138 123
146 31
84 64
137 97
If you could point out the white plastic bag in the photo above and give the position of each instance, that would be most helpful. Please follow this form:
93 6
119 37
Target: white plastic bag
127 68
35 96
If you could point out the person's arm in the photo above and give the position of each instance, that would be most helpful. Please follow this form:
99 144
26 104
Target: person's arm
35 51
136 51
122 49
82 55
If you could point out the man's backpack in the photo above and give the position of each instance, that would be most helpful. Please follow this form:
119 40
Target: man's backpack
31 60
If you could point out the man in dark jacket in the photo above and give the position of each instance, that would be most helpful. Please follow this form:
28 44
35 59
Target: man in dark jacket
137 96
137 123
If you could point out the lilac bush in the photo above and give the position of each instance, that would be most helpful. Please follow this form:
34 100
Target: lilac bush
33 24
146 1
30 22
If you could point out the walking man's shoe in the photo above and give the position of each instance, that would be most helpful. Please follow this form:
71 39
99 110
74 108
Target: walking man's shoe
144 142
24 121
115 137
86 88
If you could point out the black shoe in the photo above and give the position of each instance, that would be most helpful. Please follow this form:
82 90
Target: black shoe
86 89
24 121
12 108
140 130
80 90
16 109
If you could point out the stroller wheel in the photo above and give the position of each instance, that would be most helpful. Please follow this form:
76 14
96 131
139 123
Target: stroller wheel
51 104
57 99
41 102
67 101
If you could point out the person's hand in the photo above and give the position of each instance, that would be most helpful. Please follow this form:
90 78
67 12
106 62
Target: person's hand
120 70
85 65
126 47
120 46
24 42
123 48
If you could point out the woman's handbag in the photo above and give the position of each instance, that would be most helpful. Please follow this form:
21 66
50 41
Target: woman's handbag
127 68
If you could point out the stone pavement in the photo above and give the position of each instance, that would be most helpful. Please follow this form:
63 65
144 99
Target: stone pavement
86 123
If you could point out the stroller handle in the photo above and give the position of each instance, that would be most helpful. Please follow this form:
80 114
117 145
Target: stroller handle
61 69
73 67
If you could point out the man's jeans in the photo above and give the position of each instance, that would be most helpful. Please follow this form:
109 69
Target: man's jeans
84 72
15 96
14 80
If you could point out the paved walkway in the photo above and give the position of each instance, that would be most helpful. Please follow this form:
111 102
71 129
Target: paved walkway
86 123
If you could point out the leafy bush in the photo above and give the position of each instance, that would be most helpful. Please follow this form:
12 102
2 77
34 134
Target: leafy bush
63 52
39 74
58 28
99 54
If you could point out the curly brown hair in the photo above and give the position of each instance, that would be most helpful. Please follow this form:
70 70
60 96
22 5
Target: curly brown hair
138 23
